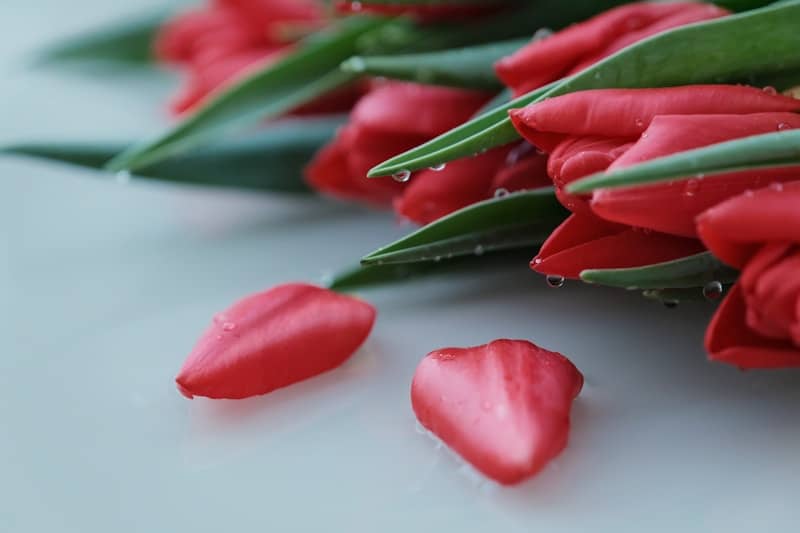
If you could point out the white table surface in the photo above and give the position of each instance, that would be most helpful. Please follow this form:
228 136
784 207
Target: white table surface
104 288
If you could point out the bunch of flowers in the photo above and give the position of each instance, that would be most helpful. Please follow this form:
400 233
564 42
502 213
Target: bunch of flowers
649 146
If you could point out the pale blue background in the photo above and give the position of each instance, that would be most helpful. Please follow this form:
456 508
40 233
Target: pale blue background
104 287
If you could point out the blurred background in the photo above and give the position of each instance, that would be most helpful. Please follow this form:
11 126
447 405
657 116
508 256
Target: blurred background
105 285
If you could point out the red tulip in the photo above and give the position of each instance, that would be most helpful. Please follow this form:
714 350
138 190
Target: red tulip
591 131
390 119
581 45
504 406
275 338
220 43
758 324
433 194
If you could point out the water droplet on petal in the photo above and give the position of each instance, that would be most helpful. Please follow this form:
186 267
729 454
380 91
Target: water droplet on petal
228 326
691 188
501 192
555 281
402 176
537 260
542 33
783 126
439 167
770 90
712 290
639 123
776 186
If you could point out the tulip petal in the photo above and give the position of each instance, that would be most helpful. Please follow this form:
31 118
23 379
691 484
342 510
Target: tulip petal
524 174
403 108
432 195
504 406
673 207
584 242
581 45
273 339
628 112
730 340
735 229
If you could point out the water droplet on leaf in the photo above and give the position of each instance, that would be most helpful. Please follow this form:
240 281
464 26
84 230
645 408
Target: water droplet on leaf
401 176
712 290
439 167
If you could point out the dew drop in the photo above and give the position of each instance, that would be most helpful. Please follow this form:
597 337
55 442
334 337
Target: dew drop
555 281
770 90
439 167
123 177
712 290
542 33
691 187
776 186
356 64
537 260
639 123
501 192
401 176
228 326
783 126
479 250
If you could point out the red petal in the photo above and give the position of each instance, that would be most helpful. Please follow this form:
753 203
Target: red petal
339 169
549 59
503 406
432 195
628 112
730 340
414 109
733 230
527 173
673 207
585 242
688 13
273 339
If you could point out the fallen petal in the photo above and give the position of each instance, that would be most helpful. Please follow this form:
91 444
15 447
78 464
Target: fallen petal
275 338
504 406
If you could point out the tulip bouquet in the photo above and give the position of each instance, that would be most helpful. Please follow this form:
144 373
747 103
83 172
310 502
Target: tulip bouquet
651 146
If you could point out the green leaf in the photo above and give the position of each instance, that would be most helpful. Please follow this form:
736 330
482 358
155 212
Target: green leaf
298 78
708 52
469 67
269 160
129 42
693 271
519 220
780 149
672 297
362 276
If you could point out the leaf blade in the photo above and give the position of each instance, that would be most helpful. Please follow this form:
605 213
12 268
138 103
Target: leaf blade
518 220
271 160
692 271
298 78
